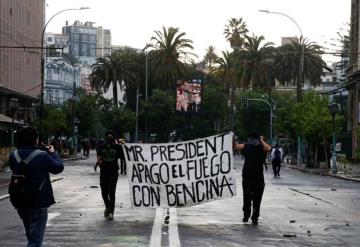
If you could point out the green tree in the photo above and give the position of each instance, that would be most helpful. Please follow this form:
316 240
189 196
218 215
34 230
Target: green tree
288 66
254 118
55 122
312 121
123 121
210 56
211 120
103 75
159 110
116 69
235 32
256 61
226 70
168 55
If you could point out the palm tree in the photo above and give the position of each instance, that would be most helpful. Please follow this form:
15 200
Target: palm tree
288 63
235 32
210 56
168 56
226 71
115 69
257 63
103 75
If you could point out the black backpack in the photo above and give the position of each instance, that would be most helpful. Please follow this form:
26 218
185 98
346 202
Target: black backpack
23 193
277 154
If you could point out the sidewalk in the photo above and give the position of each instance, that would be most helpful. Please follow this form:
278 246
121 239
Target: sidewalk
325 172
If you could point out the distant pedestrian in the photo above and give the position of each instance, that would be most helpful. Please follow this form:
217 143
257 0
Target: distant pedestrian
254 152
108 154
86 147
122 157
276 159
30 188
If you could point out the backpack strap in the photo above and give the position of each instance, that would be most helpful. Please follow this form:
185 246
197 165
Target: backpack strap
29 158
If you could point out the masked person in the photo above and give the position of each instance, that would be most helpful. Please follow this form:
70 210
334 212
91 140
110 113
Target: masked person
108 154
254 152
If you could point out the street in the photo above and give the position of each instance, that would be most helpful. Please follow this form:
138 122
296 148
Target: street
298 209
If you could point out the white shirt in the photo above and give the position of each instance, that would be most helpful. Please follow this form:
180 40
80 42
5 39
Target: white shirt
273 153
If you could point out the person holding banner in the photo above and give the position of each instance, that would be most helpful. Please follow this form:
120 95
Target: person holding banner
254 152
107 159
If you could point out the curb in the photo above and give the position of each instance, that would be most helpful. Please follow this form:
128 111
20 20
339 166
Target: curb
323 173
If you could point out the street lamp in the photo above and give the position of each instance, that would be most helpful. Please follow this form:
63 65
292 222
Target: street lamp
299 85
333 108
146 90
301 76
137 114
42 86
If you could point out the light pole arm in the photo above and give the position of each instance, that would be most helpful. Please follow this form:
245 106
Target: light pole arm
279 13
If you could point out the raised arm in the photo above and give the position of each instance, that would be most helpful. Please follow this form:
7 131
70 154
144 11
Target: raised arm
266 146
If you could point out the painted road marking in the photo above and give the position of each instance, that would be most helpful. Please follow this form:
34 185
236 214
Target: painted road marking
4 197
155 240
50 217
173 232
174 239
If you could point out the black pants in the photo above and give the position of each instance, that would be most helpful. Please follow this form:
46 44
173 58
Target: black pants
122 166
276 164
108 181
252 195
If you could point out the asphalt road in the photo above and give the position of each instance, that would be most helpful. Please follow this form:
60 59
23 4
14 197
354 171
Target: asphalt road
298 209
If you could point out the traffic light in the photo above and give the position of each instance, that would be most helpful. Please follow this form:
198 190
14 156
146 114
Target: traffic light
244 102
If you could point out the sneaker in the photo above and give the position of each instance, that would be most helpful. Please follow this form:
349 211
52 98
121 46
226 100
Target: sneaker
245 220
110 216
106 213
254 221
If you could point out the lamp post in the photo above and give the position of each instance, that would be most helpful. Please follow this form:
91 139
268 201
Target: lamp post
301 73
14 104
333 108
301 76
42 82
146 90
137 114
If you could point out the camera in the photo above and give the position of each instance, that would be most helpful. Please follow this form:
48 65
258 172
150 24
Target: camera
44 147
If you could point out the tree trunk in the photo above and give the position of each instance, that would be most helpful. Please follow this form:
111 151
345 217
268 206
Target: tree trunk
115 96
325 151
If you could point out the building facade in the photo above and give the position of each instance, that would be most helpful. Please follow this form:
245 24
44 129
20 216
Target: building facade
55 40
82 38
103 42
60 77
21 25
353 82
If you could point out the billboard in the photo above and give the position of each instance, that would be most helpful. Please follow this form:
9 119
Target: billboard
188 95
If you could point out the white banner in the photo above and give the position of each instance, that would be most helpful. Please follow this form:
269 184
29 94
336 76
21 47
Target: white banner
180 174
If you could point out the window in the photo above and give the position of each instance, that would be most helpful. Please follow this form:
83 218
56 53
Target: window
84 37
57 98
76 37
49 96
49 74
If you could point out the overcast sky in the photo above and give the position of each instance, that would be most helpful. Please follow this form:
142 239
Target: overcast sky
133 22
